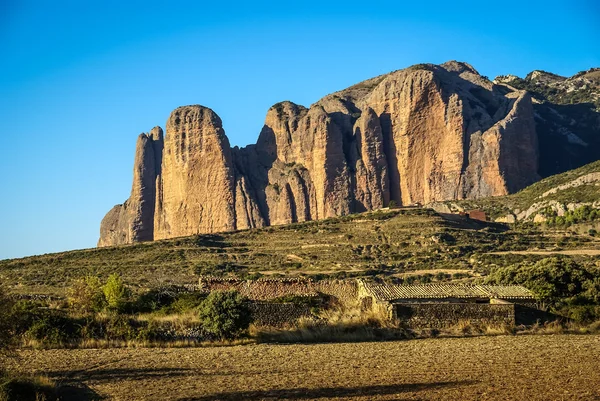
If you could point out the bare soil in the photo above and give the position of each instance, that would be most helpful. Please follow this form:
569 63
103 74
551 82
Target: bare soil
552 367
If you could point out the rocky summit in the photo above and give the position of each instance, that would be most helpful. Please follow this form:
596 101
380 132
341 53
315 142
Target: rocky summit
423 134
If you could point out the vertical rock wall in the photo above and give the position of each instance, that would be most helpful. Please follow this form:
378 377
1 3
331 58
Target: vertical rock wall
426 133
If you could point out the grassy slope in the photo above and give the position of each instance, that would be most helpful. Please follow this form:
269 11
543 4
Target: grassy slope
383 242
522 200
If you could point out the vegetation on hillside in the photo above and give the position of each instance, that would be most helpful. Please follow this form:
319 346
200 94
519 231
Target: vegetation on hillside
524 199
557 95
569 288
386 243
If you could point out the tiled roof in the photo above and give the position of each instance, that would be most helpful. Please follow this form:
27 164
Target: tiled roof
508 291
389 292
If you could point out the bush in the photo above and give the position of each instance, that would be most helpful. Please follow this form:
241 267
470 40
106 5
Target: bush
86 295
225 314
582 214
6 322
53 329
581 313
14 387
551 279
153 300
186 302
120 327
115 292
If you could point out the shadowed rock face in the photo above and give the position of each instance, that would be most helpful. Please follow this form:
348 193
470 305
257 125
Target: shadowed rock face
426 133
133 221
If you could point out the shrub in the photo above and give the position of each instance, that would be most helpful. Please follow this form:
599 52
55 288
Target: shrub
115 292
6 321
13 387
153 300
218 269
86 295
120 327
551 279
582 313
225 314
53 329
187 301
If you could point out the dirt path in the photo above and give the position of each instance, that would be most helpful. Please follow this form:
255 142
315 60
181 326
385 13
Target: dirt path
589 252
559 367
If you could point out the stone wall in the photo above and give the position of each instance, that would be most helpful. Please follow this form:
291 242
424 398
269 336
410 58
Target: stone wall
528 315
277 314
439 315
345 292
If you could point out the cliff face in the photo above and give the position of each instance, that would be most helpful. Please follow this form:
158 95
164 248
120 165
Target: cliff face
567 117
426 133
195 193
133 221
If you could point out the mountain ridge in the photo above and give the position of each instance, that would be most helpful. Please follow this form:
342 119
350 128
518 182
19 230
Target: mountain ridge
425 133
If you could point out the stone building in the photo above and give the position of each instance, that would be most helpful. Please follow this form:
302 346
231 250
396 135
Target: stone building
268 296
415 306
442 305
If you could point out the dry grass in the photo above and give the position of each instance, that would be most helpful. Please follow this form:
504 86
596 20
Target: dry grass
107 344
557 327
338 325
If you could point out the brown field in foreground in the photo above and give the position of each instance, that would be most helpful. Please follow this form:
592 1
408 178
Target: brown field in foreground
553 367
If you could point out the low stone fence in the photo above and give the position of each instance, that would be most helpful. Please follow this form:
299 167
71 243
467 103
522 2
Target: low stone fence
440 315
278 314
345 292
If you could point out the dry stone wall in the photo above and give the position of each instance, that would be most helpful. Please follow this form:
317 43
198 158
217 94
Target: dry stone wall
438 315
344 292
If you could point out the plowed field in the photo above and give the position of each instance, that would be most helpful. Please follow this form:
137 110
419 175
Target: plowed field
557 367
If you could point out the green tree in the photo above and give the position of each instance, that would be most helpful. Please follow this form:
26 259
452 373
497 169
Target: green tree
225 314
86 295
550 279
115 292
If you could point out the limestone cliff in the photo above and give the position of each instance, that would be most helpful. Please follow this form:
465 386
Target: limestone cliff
426 133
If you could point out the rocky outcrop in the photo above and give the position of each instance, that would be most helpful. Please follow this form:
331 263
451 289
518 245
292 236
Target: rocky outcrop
196 193
423 134
567 117
133 221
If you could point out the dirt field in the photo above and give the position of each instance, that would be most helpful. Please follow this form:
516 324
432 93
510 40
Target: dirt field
559 367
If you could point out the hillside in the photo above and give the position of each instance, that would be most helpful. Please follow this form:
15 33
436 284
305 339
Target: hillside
418 135
558 193
385 243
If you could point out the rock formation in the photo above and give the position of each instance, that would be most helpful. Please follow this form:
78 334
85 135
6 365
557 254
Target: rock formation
133 221
426 133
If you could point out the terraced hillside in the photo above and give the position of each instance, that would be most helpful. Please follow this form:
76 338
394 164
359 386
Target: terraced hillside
386 242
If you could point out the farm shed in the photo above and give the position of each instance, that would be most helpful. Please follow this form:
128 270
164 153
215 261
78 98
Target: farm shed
441 305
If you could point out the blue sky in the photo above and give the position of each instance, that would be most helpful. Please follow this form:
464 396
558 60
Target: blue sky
80 80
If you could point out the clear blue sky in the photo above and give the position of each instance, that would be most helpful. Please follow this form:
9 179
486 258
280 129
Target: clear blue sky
80 80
